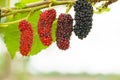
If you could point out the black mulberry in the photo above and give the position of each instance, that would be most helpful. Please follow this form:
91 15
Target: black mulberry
83 18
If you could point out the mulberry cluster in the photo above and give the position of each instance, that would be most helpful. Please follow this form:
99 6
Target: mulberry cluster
64 31
83 18
44 26
26 38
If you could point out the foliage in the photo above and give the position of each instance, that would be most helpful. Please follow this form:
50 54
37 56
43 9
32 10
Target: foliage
20 5
29 1
12 34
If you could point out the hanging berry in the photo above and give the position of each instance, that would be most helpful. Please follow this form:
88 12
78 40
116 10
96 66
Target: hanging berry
83 18
44 26
26 38
64 31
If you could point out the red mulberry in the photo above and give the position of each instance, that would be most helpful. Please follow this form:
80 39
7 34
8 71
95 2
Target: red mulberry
44 26
26 38
64 31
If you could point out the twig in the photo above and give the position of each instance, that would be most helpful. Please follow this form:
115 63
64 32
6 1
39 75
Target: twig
37 7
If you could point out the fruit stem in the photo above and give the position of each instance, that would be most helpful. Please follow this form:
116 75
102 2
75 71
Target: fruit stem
13 22
44 5
50 5
68 8
29 14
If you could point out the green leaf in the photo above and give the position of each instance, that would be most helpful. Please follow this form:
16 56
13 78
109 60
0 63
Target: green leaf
54 26
28 1
53 0
100 11
2 29
105 9
4 3
12 35
37 44
20 5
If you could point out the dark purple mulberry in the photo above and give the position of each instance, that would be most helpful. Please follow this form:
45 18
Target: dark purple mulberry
64 31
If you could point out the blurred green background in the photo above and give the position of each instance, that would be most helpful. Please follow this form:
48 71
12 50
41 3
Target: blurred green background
17 69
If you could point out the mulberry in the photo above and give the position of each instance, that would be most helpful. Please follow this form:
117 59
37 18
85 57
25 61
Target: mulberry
44 26
64 31
26 38
83 18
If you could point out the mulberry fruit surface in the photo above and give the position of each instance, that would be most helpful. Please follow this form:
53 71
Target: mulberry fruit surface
83 18
44 26
64 31
26 38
